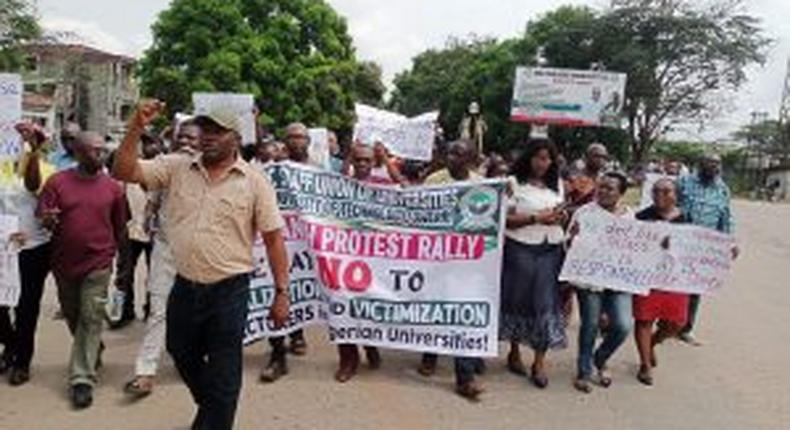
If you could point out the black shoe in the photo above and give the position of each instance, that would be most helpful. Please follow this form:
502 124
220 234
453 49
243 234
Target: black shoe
276 369
81 396
18 377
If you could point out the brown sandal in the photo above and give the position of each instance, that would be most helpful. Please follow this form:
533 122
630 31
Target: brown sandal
644 376
137 390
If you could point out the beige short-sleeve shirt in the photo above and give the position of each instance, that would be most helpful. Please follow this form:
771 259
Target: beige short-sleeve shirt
211 226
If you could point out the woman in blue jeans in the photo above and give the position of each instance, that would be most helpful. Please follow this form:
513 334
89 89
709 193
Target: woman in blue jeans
595 301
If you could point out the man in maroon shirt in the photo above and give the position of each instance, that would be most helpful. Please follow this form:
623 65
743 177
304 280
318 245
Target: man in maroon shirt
86 212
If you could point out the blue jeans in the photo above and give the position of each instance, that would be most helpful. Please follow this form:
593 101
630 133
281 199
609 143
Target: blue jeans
617 306
205 332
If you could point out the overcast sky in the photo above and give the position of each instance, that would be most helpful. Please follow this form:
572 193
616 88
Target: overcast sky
392 32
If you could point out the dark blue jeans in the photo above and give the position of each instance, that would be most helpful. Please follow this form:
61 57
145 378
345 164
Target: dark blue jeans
591 305
205 333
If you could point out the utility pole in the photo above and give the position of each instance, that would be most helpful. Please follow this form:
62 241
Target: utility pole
784 117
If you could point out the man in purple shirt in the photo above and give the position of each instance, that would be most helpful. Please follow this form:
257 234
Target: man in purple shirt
86 212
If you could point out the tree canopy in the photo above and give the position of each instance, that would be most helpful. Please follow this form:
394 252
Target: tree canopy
294 56
679 55
18 25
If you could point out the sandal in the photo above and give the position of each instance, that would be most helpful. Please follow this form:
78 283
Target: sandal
470 391
604 378
137 389
583 385
644 376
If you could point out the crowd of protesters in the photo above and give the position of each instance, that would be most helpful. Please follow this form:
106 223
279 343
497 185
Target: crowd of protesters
192 200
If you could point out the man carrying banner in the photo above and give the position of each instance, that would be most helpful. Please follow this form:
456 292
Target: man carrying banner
460 159
297 143
362 160
705 201
597 299
216 206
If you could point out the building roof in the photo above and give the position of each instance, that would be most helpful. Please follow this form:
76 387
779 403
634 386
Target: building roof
86 53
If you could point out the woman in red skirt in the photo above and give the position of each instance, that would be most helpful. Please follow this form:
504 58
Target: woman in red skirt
668 308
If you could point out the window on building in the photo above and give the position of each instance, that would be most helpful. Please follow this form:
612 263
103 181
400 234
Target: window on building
126 111
31 63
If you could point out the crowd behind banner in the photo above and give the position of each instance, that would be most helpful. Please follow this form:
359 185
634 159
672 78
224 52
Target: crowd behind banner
447 253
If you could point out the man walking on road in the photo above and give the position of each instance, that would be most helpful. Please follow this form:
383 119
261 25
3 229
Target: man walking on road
161 278
297 143
216 205
460 158
704 199
86 211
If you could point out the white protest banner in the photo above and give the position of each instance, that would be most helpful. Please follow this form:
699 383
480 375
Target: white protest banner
11 90
615 253
624 254
242 104
10 282
647 188
319 147
415 269
700 259
305 292
409 138
568 97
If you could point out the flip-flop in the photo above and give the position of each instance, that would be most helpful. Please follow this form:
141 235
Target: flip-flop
133 388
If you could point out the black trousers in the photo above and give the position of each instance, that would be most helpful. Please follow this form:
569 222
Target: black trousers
19 336
205 333
128 256
465 367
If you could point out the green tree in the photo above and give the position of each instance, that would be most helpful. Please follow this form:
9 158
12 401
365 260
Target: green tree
368 84
679 150
678 55
18 25
294 56
767 138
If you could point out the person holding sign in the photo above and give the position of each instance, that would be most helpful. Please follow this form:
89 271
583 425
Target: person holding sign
531 306
86 211
21 200
668 307
362 160
216 205
704 199
595 300
297 143
461 156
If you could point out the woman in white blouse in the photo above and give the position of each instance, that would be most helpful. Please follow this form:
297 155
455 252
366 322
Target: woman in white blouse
531 310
